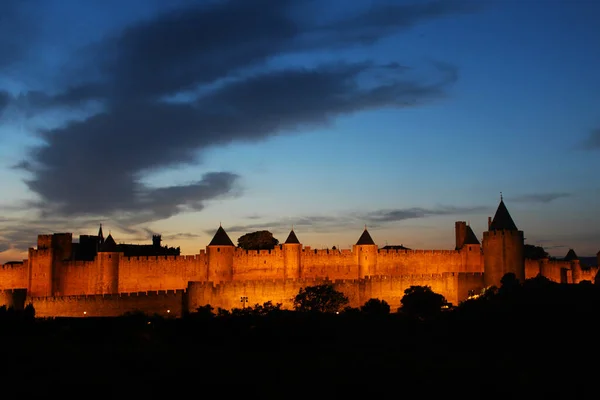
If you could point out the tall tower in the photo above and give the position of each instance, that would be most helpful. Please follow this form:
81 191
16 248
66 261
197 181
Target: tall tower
100 241
469 247
107 262
220 253
503 248
292 257
366 253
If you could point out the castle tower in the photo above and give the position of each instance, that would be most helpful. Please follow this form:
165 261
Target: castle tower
107 264
573 259
460 228
503 248
40 268
220 253
469 248
292 257
100 241
45 263
365 250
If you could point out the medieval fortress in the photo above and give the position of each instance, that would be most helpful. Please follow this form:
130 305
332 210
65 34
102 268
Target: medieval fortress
59 282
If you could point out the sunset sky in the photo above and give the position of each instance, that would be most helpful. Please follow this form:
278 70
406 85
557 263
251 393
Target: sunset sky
174 117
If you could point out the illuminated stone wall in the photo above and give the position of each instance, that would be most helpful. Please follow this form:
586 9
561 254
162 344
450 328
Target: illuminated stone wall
163 303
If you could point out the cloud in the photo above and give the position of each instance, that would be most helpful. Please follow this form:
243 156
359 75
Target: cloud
592 142
216 54
4 100
374 219
14 31
418 212
540 197
4 246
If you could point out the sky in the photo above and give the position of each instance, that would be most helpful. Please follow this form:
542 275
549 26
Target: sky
325 116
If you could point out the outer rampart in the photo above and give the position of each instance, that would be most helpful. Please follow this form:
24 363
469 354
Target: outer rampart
164 303
229 295
14 275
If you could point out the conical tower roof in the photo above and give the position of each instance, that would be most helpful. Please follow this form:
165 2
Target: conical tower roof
571 255
292 238
221 238
502 219
365 238
109 245
470 237
100 235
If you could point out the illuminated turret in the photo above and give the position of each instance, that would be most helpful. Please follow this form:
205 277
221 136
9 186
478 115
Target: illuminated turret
220 253
365 250
503 248
292 257
107 261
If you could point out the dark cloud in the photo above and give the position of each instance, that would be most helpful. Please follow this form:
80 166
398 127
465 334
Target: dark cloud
540 197
93 166
14 31
4 100
370 25
418 212
374 219
592 142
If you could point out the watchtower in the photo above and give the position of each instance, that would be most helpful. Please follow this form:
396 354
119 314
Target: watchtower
220 253
366 254
292 256
503 248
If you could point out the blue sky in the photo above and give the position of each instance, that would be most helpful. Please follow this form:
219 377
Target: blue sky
402 116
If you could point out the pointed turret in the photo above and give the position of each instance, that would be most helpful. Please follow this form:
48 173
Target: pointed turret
365 238
220 253
503 248
109 245
292 239
366 252
502 219
100 236
221 238
292 257
571 256
470 237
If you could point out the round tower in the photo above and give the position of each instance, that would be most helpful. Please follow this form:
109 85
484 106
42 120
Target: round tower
503 248
575 264
220 252
365 251
107 262
292 252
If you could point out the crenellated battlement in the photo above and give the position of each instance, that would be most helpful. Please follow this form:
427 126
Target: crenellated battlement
114 296
505 232
416 251
326 253
258 253
12 265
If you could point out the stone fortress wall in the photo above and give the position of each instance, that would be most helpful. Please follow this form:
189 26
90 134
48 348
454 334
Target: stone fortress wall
221 275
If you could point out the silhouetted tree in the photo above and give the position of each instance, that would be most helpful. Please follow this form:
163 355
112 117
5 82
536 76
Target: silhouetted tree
375 307
259 240
320 298
205 311
266 308
421 301
509 284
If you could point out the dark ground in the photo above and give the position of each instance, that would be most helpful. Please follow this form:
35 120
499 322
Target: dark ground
290 355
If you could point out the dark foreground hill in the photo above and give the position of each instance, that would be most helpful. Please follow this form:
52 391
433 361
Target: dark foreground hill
519 347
